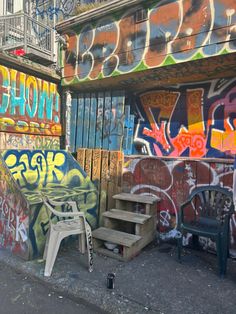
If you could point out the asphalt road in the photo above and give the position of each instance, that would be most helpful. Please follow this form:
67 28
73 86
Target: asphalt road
20 294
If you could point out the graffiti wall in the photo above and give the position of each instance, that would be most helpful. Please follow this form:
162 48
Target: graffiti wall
159 33
172 181
14 212
28 141
52 11
28 105
60 177
194 120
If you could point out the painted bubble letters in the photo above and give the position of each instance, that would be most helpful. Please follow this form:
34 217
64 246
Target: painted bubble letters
28 104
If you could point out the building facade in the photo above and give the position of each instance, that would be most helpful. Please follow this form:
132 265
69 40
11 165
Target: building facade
156 80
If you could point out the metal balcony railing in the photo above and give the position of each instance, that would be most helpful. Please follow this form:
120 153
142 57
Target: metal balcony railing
20 31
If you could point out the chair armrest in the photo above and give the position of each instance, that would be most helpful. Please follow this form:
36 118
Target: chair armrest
75 213
64 214
71 203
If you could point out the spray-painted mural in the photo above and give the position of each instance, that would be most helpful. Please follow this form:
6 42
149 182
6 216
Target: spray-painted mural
60 177
28 104
173 181
13 214
28 141
166 33
192 120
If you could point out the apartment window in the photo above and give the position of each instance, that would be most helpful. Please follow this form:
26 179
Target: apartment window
10 6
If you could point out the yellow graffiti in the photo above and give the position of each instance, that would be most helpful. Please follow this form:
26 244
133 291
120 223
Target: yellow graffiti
223 140
38 170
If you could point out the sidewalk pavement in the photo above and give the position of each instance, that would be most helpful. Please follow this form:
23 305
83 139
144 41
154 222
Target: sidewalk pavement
153 282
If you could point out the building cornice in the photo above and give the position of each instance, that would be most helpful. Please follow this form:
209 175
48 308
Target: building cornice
96 13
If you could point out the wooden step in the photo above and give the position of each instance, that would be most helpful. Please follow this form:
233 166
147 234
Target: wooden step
137 198
126 216
114 236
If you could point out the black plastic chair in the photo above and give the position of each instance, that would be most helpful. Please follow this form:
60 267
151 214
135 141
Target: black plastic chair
207 213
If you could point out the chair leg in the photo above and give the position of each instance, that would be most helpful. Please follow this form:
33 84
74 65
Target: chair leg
46 245
53 247
89 246
82 243
225 253
195 241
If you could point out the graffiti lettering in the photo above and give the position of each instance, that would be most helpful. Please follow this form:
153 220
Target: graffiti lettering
28 104
173 32
187 121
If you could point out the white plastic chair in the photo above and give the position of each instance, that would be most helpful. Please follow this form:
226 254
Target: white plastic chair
74 224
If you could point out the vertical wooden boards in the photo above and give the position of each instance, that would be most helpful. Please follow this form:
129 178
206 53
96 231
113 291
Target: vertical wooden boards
88 162
106 121
92 122
86 120
99 127
117 121
120 172
107 169
80 122
81 157
73 123
115 161
104 184
96 169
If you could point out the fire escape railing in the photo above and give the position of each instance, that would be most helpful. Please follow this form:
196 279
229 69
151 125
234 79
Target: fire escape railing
21 31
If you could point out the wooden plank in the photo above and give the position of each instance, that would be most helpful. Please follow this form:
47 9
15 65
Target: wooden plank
97 160
144 229
129 253
73 123
99 126
88 162
81 157
86 120
127 216
120 171
114 236
113 182
104 184
137 198
117 121
106 121
80 122
92 122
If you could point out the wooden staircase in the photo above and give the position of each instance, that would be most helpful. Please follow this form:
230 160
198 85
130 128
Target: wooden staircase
128 228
